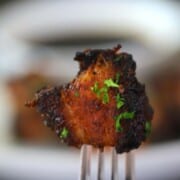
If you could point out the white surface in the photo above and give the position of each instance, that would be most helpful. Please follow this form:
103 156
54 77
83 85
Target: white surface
152 22
153 163
23 163
155 26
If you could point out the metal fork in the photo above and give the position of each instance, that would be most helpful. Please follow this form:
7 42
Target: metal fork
86 156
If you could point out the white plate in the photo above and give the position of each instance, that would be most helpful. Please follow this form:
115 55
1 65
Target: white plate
160 162
145 21
155 30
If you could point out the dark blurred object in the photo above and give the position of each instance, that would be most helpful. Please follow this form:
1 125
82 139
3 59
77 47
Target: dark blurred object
27 123
165 84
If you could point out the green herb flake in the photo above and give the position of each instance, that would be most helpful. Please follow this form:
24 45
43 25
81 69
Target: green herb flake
128 115
125 115
101 92
118 123
117 78
64 133
105 98
110 83
95 88
118 117
104 89
119 101
118 126
148 128
76 94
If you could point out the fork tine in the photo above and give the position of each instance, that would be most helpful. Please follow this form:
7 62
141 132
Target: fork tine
100 165
83 155
85 160
88 161
114 171
129 166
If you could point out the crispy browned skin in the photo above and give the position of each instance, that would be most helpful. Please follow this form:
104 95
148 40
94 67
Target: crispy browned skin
87 119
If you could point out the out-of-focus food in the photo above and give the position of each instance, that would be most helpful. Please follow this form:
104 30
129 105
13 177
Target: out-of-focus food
104 105
165 90
27 126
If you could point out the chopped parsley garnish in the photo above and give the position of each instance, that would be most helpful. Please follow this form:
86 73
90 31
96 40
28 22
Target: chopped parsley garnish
76 94
124 115
105 98
128 115
104 89
96 89
118 125
148 128
119 101
110 83
117 78
64 133
103 92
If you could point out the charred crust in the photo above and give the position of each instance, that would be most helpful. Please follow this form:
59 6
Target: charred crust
136 101
126 62
48 104
88 57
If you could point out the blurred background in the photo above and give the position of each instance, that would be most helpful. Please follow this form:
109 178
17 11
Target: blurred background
38 40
